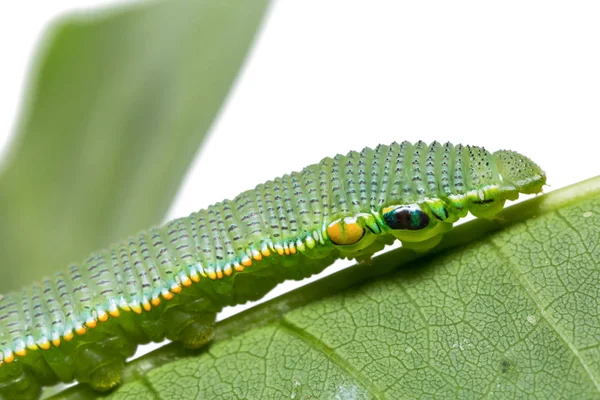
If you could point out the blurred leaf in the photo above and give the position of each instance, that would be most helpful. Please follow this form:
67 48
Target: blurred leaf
512 311
118 105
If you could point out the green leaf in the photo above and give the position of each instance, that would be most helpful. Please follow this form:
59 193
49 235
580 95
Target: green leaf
507 308
118 105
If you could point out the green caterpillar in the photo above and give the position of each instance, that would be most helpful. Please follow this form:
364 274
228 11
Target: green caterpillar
170 281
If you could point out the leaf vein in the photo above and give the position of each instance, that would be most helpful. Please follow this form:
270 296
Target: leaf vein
332 356
552 322
146 382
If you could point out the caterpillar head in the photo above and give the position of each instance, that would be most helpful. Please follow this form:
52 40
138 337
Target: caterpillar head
519 171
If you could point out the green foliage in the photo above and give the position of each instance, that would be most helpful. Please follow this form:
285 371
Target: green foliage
118 105
505 308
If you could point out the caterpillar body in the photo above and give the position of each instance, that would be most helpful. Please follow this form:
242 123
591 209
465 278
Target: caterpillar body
170 281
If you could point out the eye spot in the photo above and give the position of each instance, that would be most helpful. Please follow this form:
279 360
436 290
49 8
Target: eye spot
406 218
345 232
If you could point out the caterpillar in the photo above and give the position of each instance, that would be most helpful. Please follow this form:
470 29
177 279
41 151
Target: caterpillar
170 281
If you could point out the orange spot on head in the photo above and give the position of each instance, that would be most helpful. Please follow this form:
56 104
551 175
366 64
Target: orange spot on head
155 301
10 357
21 352
345 232
334 231
354 232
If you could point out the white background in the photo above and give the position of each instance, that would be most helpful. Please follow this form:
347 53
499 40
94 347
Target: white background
332 76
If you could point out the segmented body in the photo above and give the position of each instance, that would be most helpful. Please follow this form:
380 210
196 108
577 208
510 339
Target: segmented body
170 281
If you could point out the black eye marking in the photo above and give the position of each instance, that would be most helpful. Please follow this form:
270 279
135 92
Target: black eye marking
406 218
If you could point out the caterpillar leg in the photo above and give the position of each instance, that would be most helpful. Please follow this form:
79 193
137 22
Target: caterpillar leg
192 329
488 208
101 369
423 246
98 364
99 358
18 383
364 255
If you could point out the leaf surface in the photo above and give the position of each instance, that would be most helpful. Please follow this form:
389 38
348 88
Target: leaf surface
508 308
